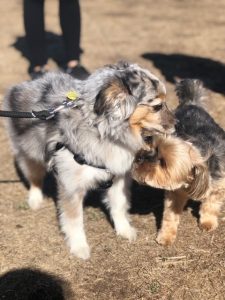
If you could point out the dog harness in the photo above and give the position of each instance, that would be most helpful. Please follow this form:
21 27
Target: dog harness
80 159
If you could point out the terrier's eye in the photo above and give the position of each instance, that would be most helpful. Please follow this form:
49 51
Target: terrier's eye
139 159
148 139
162 163
151 156
158 107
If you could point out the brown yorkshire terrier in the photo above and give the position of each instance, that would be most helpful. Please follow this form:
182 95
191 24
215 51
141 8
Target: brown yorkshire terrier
188 165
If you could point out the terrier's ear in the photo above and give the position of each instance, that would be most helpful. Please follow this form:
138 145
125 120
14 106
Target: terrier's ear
200 183
115 101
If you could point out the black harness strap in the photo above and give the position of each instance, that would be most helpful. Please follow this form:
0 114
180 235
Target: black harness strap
81 161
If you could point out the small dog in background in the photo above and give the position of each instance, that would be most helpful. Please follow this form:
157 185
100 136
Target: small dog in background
189 165
91 143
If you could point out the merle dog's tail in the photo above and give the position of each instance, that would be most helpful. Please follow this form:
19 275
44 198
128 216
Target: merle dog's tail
190 91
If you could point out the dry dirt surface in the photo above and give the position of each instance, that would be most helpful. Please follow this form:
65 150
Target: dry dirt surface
174 39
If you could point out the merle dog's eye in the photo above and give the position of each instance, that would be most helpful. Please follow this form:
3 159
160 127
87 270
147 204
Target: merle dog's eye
158 107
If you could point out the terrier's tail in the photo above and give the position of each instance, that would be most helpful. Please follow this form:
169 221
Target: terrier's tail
191 91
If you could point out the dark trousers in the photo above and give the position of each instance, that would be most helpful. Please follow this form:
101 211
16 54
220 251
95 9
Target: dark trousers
69 13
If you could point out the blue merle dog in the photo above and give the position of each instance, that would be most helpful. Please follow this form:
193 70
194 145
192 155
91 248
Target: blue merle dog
93 141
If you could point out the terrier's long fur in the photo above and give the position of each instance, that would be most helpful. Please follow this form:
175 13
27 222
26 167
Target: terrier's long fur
190 165
115 104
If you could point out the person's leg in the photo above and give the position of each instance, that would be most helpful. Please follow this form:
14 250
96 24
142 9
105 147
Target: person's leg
70 20
71 24
35 33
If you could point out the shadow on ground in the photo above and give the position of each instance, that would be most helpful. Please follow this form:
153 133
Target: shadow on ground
144 200
54 47
32 284
173 66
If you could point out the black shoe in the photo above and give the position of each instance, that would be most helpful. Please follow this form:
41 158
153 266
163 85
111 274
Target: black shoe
78 72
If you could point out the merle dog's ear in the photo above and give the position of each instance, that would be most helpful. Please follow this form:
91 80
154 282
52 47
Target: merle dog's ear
120 65
115 100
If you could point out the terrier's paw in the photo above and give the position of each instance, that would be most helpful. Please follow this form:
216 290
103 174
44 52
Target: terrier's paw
166 239
35 198
208 223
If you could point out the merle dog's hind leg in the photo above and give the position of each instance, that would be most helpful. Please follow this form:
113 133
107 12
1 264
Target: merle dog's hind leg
34 173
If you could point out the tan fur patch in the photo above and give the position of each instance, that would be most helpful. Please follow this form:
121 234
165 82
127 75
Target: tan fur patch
72 207
110 96
149 117
36 172
115 90
178 164
174 205
211 205
143 117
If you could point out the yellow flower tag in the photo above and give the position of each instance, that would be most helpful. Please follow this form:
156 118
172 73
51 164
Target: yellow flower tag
72 95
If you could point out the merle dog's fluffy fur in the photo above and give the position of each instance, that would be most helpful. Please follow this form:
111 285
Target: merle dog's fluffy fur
99 128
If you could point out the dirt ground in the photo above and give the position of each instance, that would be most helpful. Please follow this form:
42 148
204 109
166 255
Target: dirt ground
174 39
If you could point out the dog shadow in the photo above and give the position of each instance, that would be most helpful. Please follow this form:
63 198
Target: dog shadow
54 48
144 199
33 284
175 65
